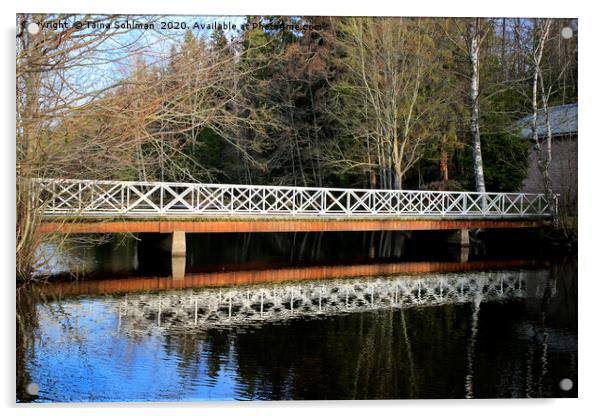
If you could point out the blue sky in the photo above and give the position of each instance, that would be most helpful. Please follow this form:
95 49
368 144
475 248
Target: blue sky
114 59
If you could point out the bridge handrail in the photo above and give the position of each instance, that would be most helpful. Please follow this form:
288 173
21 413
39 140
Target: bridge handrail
305 188
102 197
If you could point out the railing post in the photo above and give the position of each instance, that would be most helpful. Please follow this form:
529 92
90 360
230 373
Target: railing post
522 203
160 199
196 198
91 196
348 202
294 206
121 197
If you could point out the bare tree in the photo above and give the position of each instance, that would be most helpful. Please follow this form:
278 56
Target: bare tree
98 101
53 76
388 62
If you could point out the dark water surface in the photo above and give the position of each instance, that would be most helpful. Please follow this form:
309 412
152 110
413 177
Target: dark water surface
306 316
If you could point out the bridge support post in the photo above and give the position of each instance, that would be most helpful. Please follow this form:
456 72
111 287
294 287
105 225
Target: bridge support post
178 254
178 267
178 244
459 237
462 254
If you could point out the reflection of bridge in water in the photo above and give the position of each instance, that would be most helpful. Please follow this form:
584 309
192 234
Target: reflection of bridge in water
258 304
276 275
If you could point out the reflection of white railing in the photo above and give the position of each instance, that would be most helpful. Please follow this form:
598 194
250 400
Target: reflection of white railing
91 197
254 305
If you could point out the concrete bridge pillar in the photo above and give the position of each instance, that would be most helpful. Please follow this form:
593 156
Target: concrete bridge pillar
462 254
178 267
178 254
178 244
459 237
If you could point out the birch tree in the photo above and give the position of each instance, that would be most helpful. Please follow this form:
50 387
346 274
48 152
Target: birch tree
476 35
541 31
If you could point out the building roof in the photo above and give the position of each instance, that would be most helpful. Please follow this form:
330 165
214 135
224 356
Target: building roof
563 120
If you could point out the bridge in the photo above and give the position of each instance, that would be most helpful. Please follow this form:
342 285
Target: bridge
100 206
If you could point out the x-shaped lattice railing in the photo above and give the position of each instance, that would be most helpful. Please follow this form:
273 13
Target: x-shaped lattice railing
88 198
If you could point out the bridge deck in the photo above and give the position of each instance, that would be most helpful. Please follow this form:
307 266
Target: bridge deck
245 224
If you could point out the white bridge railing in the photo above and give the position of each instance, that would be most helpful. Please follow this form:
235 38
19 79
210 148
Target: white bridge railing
120 198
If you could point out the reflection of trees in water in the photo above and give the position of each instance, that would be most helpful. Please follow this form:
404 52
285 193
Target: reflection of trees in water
361 356
562 301
472 339
193 348
81 255
189 349
553 304
297 247
545 331
27 299
365 355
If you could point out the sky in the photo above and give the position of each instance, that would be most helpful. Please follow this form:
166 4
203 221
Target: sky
113 60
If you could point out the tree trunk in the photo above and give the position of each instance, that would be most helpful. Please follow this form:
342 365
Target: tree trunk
543 160
443 161
397 177
474 45
546 160
443 167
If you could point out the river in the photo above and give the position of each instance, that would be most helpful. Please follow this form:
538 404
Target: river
299 316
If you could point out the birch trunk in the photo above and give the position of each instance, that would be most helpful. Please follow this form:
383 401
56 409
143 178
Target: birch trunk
474 46
544 158
544 166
